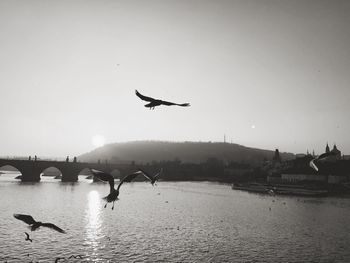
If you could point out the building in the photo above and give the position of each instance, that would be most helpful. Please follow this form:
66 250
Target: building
337 152
334 170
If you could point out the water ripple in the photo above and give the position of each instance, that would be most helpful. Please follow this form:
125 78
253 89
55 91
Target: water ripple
174 222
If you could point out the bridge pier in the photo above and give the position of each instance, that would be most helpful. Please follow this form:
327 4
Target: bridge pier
69 175
30 172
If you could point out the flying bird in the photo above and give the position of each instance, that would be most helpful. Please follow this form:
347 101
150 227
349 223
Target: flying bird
152 178
156 102
113 193
77 256
34 225
323 157
27 237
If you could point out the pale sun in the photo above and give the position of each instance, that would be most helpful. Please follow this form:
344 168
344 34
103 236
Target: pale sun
98 140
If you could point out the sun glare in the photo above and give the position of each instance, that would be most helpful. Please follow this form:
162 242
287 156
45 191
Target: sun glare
98 140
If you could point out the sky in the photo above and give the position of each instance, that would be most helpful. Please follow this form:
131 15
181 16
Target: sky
266 73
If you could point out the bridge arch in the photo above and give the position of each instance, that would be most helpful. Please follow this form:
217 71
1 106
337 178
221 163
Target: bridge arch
84 174
51 171
10 171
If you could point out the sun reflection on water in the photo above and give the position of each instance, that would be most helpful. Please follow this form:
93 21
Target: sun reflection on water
93 221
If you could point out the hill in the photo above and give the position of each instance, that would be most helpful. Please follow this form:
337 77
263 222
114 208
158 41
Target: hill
187 152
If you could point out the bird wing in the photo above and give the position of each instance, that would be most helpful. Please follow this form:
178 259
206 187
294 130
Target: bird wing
25 218
27 235
128 178
158 174
54 227
151 177
147 175
106 177
324 156
142 97
313 165
168 103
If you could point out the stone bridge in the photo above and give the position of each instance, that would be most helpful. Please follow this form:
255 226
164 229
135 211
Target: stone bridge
31 169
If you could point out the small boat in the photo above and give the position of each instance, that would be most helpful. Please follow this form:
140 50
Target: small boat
280 189
300 191
256 188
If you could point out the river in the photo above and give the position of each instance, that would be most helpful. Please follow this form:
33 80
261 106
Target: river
171 222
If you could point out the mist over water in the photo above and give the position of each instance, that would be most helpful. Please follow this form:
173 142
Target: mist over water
172 222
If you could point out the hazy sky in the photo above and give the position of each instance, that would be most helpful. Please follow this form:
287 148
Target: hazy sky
68 71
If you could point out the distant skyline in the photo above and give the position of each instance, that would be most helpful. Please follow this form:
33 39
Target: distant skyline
266 73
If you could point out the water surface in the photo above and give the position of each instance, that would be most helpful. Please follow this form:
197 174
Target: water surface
172 222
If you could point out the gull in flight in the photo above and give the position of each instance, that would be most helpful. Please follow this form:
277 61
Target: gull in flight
113 193
156 102
323 157
27 237
34 225
152 178
77 256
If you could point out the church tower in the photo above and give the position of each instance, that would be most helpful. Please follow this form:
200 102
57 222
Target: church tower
327 148
336 151
276 158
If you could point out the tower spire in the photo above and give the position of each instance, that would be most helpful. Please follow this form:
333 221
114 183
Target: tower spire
327 148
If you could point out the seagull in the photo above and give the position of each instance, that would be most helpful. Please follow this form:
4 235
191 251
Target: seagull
77 256
152 178
34 225
156 102
27 237
113 193
323 157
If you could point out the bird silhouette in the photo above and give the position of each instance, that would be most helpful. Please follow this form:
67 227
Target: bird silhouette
34 225
77 256
27 237
156 102
323 157
152 178
113 193
59 258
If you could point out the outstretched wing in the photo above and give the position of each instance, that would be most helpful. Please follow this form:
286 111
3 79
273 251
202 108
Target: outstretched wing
103 176
25 218
313 165
168 103
145 174
27 235
152 178
142 97
128 178
325 156
54 227
77 256
158 174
